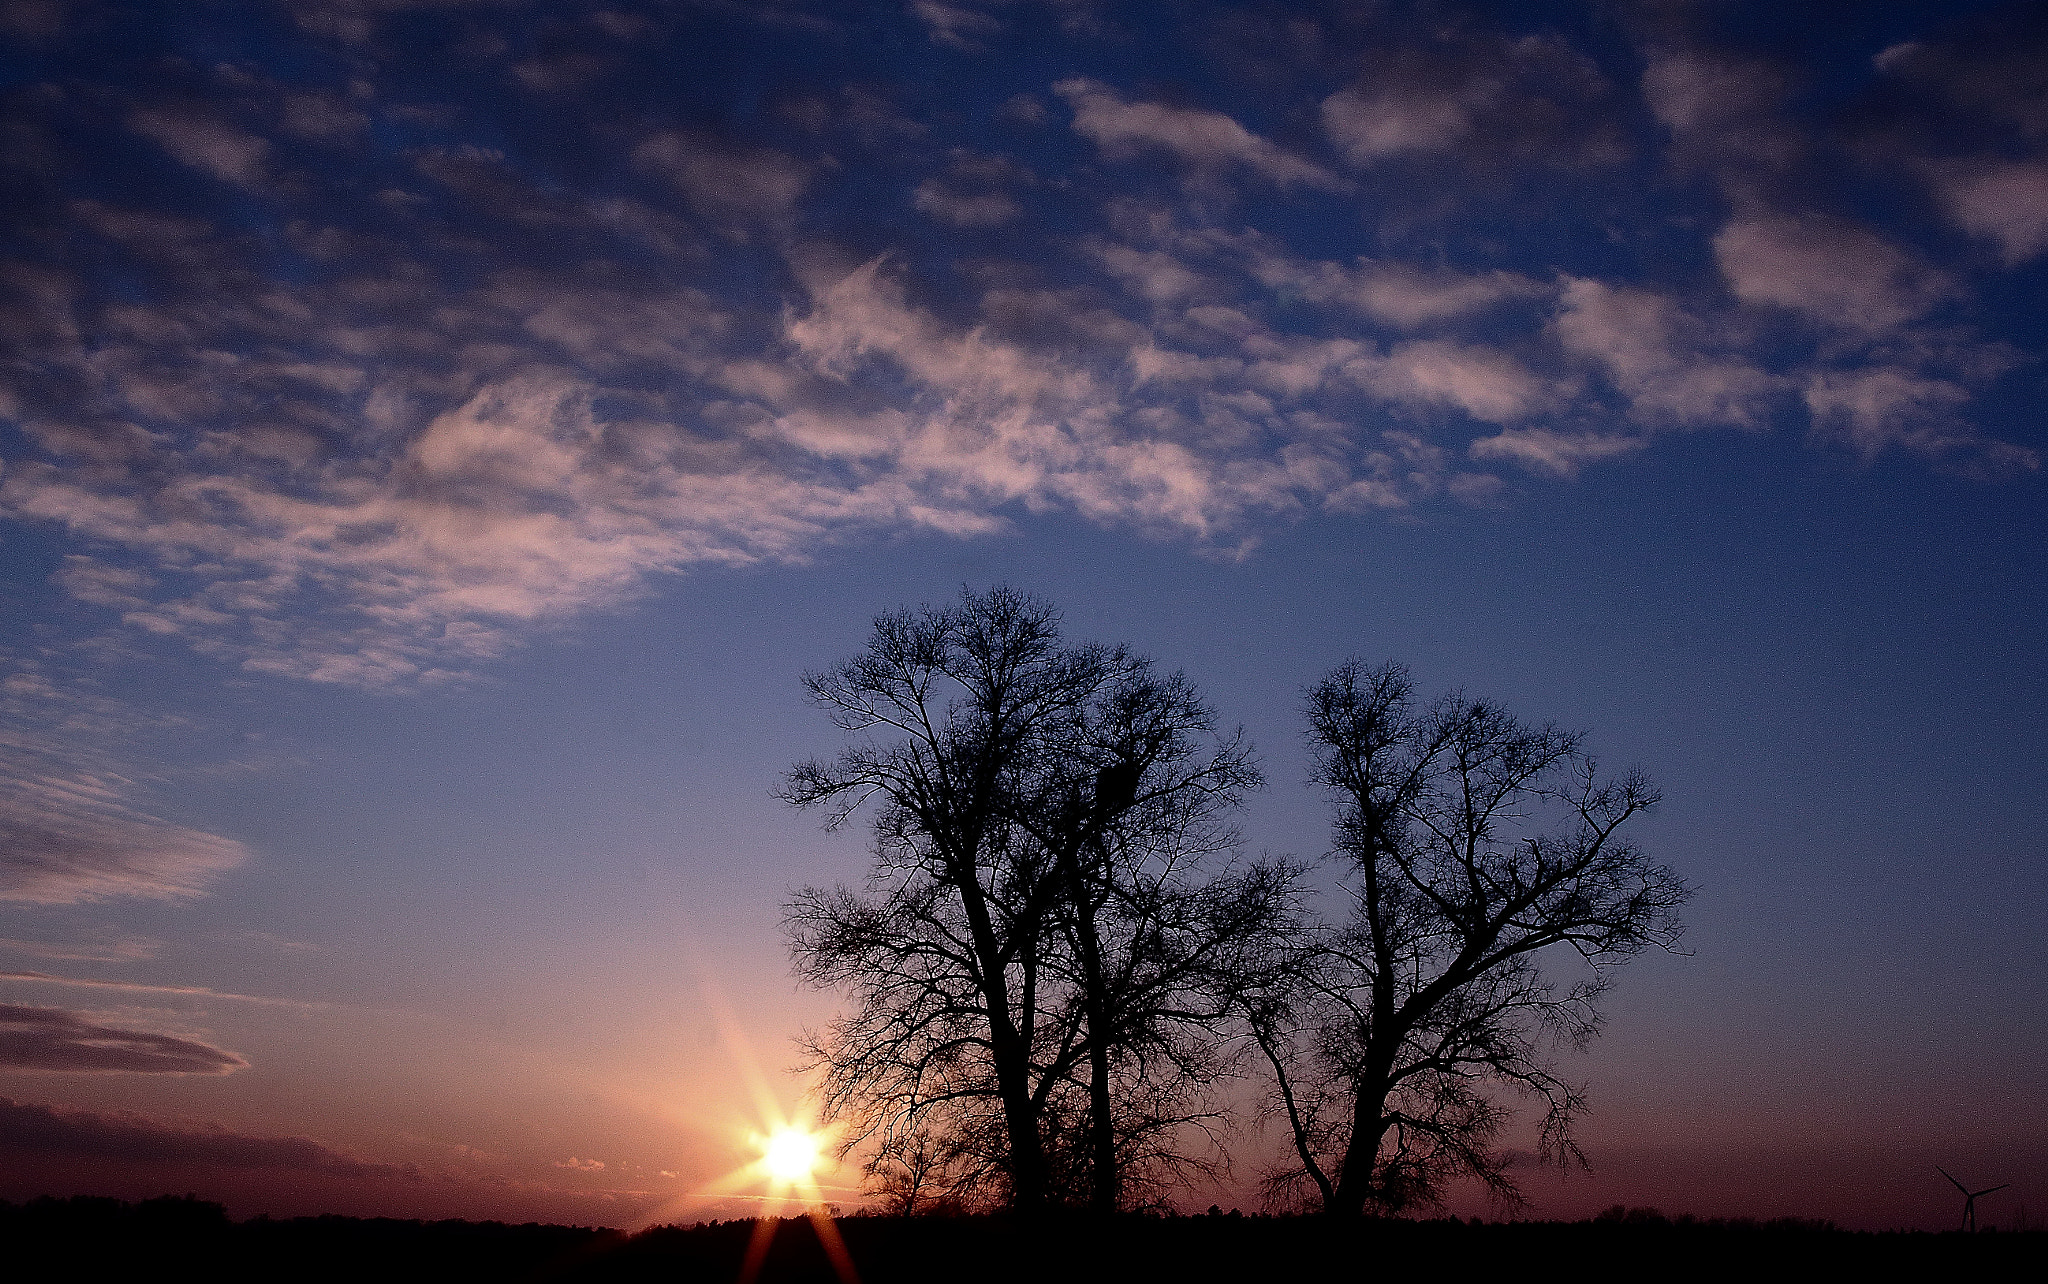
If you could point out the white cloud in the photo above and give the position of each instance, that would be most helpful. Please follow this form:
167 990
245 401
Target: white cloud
1486 384
1875 408
730 184
206 143
1654 353
1560 454
1370 126
2005 202
953 24
1203 140
1833 272
946 203
1408 295
1489 98
65 839
972 192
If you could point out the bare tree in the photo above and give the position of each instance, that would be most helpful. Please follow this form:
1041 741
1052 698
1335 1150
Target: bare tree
943 952
917 1175
1473 844
1141 795
1036 963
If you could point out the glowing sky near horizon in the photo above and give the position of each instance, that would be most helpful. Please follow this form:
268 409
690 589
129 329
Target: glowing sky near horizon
436 436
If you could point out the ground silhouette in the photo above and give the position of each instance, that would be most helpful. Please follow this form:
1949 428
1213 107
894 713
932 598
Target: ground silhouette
87 1238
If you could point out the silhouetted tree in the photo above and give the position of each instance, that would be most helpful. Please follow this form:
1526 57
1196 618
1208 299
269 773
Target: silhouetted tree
916 1175
1139 794
1473 843
1041 957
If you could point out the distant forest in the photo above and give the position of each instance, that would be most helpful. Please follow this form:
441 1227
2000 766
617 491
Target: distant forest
95 1238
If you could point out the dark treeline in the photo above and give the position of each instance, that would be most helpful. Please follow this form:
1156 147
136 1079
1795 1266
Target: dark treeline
105 1238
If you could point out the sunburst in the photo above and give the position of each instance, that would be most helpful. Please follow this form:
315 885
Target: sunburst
790 1155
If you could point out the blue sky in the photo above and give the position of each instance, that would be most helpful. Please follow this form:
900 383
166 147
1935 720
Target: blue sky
437 436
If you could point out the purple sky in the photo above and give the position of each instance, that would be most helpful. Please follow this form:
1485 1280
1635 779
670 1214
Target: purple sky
438 433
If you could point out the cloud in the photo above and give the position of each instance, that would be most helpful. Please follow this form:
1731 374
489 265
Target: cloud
953 24
2006 203
53 1039
1408 295
1723 111
43 1132
734 185
1880 408
1655 354
971 191
206 143
106 950
65 839
136 987
1206 141
965 209
1560 454
1486 97
444 386
1834 272
1484 383
1153 275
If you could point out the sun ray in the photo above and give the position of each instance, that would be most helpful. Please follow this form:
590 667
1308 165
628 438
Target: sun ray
785 1170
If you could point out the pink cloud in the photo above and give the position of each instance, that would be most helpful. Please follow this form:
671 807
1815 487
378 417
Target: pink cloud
206 143
72 838
1654 352
1833 272
2005 202
51 1039
1204 140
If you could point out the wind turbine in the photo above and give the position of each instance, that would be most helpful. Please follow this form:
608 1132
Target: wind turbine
1969 1198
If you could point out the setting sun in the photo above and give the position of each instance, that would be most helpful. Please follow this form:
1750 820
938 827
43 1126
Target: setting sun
790 1154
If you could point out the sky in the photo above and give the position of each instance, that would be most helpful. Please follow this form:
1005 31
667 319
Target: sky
436 436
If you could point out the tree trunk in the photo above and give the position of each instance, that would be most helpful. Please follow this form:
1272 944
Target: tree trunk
1106 1186
1027 1150
1009 1048
1361 1156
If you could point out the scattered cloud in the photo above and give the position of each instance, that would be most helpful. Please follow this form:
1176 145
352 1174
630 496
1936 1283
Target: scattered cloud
1489 98
441 386
206 143
954 24
2005 202
1659 357
65 839
736 186
1835 273
109 949
137 987
974 191
1411 296
41 1131
33 1038
1546 450
1879 408
1486 384
1206 142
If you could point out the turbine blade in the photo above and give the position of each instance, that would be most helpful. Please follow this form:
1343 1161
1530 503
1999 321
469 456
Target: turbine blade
1952 1181
1974 1194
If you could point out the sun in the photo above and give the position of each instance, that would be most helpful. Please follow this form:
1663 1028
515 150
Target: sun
790 1155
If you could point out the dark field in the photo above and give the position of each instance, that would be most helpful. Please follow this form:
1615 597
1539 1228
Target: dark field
91 1239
